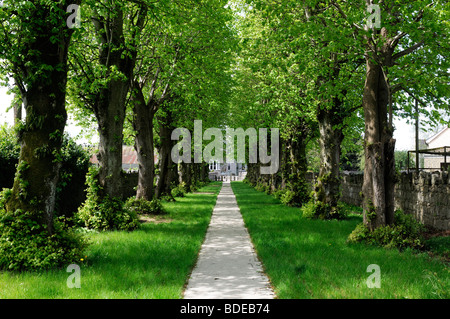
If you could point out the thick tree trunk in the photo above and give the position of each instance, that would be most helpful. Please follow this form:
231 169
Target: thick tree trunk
110 106
204 172
186 175
252 173
34 188
110 121
327 189
378 186
144 145
172 176
165 161
297 166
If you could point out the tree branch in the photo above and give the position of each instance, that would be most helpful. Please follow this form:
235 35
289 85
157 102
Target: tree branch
397 38
342 13
408 51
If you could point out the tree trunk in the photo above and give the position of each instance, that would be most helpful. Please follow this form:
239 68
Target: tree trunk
204 172
172 176
17 106
34 188
276 180
186 175
165 162
252 173
297 166
110 106
110 118
327 189
283 164
379 170
196 172
144 145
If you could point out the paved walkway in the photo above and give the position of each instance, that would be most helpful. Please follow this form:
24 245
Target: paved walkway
227 267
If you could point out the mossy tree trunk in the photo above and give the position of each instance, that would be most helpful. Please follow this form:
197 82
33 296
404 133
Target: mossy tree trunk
45 53
204 172
165 161
144 145
252 173
186 175
327 188
110 103
381 55
298 166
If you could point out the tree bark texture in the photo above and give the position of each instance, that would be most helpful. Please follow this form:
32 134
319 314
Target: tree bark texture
144 146
34 188
327 188
379 170
166 165
110 105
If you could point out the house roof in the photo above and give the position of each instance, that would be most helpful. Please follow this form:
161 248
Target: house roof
431 139
129 156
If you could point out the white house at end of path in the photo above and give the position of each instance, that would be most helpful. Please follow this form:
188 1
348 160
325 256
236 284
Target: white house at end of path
227 171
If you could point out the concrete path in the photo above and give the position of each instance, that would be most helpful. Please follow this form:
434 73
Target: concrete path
227 267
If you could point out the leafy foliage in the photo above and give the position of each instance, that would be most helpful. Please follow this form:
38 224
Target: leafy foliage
178 191
74 166
142 206
25 244
102 212
9 155
404 233
401 160
319 210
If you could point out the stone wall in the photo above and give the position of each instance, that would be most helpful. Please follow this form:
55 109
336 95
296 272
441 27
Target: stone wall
351 187
425 195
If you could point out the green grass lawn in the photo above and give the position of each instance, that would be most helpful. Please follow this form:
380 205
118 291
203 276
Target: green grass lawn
311 259
152 262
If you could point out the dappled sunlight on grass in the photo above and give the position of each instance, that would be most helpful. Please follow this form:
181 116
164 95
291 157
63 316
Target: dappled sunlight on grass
152 262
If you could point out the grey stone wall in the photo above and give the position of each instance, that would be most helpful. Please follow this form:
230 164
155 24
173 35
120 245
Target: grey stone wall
425 195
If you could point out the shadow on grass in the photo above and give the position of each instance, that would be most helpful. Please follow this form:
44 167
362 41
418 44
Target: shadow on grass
152 262
148 258
312 259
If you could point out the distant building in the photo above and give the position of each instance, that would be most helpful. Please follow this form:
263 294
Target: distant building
129 159
229 171
217 171
441 143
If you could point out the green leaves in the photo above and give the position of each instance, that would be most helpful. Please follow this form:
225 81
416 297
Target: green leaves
100 212
26 245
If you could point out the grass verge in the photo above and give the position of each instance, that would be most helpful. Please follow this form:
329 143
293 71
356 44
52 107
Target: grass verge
312 259
153 262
